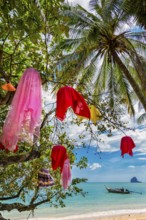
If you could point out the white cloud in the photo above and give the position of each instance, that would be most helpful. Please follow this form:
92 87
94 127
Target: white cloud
131 166
83 3
141 154
94 166
111 144
142 158
107 144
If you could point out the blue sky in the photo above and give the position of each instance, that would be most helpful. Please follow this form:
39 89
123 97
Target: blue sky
109 166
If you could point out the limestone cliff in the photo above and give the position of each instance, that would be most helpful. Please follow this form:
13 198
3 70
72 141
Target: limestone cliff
134 180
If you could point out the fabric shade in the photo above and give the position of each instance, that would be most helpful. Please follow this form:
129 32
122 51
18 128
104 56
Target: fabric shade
69 97
8 87
95 114
58 156
66 174
60 160
3 148
127 144
24 117
44 178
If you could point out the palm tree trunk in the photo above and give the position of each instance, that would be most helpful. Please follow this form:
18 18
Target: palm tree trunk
133 83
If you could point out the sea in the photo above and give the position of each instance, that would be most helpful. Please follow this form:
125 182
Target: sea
97 202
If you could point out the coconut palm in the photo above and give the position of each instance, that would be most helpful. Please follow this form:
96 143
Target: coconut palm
101 54
137 9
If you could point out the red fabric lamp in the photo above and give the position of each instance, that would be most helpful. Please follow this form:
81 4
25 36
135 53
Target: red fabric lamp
58 156
3 148
69 97
60 160
127 144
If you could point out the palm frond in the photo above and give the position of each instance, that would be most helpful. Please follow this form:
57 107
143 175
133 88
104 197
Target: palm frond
101 78
125 91
142 118
68 44
136 9
89 70
111 87
99 37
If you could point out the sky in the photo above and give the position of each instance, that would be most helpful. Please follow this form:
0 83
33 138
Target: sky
109 166
83 3
105 164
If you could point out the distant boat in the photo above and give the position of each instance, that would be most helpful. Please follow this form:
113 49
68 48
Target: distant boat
118 190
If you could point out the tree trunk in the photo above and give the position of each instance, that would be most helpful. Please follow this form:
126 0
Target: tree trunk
132 82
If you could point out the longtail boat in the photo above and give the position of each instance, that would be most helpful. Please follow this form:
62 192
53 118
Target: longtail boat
118 190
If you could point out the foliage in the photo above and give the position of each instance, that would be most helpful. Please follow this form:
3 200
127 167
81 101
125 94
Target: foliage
102 55
137 9
28 28
68 46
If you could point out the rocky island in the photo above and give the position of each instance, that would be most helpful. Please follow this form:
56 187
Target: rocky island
134 180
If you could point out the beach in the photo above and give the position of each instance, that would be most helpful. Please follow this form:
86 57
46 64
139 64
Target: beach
141 216
112 215
97 204
134 216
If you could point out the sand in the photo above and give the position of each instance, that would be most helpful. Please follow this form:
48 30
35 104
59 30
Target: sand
137 216
125 217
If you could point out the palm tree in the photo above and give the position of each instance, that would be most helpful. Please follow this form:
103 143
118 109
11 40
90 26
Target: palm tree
137 9
102 55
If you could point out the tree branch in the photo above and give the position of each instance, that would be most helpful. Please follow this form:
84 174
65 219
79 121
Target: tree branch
7 98
5 161
13 197
21 207
46 117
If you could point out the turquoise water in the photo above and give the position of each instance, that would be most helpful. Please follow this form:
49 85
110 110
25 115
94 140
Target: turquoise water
96 200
